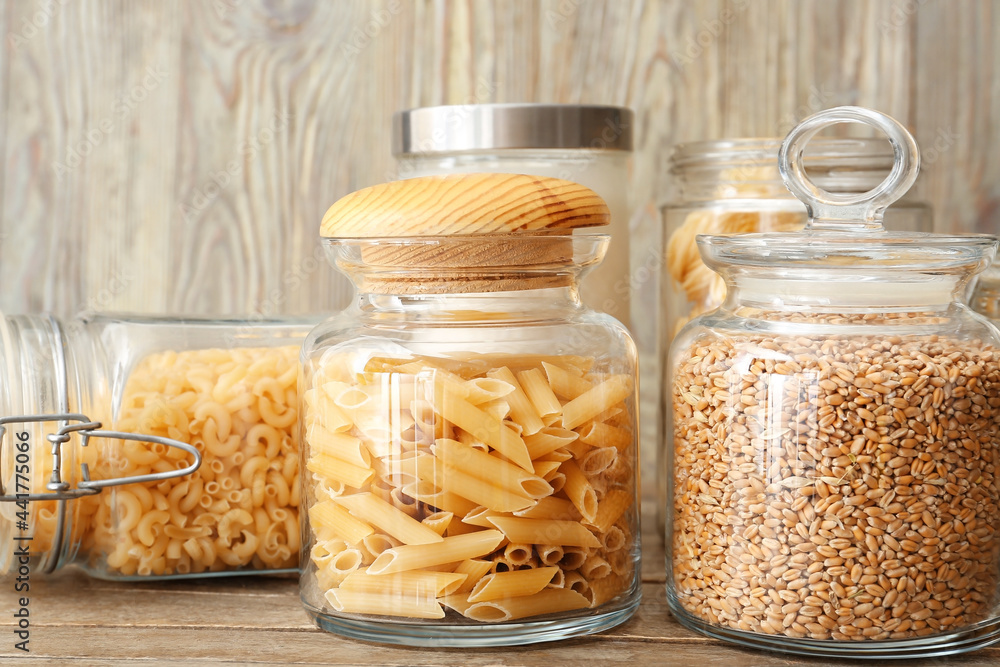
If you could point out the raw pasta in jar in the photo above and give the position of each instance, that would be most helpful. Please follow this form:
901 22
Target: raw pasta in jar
485 489
239 511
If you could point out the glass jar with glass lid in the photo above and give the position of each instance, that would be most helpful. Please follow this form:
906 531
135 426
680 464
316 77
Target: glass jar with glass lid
469 427
199 476
732 186
832 480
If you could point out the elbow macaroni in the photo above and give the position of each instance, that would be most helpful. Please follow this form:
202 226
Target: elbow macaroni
500 475
239 407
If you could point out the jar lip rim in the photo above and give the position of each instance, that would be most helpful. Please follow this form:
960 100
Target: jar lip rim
416 239
818 249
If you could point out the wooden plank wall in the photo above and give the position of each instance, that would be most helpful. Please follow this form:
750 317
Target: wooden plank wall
177 155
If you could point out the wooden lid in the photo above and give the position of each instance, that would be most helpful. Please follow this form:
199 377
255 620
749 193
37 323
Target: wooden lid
461 204
480 232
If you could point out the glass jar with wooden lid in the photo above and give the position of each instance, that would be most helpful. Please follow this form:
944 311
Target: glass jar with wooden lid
469 426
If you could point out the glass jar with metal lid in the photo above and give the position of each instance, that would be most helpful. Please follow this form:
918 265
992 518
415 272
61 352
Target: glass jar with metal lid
589 144
469 427
199 476
832 482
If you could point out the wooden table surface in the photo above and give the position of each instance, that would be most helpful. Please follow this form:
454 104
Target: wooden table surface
79 621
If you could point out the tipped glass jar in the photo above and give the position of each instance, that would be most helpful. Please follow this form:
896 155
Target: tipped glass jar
200 475
469 426
832 481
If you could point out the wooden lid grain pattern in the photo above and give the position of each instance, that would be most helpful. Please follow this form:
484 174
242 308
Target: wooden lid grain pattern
460 204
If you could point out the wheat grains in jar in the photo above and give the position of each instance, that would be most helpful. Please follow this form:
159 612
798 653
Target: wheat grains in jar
732 186
469 427
142 448
833 477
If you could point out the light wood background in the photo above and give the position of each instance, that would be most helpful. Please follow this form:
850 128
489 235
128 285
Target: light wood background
117 114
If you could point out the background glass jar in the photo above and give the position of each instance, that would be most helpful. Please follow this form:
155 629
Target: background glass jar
833 483
985 296
226 388
588 144
732 186
469 446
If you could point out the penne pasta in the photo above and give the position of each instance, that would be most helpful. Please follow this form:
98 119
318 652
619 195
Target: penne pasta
573 558
438 521
329 515
506 585
434 470
474 570
551 508
388 519
547 601
480 517
339 471
413 557
598 460
579 491
548 440
595 401
563 383
493 486
550 554
599 434
545 468
491 469
337 445
484 390
595 567
537 388
412 583
442 501
519 555
545 531
611 508
367 602
605 589
522 411
483 427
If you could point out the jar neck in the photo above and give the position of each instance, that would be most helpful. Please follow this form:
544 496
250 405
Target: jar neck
36 363
500 307
831 291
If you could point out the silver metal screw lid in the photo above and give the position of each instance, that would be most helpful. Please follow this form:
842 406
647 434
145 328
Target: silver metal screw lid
458 128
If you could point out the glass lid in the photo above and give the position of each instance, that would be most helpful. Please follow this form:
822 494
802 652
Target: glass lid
845 231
